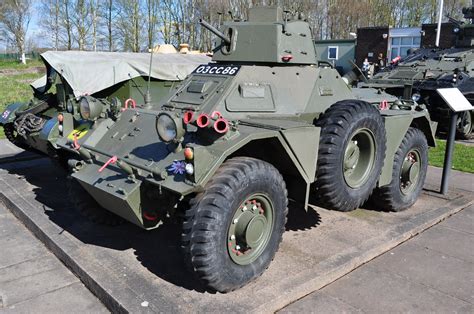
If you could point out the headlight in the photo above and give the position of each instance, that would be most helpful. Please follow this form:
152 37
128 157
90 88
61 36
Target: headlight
90 108
415 97
169 128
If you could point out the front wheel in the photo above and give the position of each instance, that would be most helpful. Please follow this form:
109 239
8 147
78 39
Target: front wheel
408 176
234 228
13 136
464 125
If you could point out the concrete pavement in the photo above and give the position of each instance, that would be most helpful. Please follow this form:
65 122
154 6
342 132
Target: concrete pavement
32 279
432 272
137 271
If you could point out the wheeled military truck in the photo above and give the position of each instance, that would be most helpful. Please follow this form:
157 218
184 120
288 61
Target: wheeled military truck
240 137
423 71
108 78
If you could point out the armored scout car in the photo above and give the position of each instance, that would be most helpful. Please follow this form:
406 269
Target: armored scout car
422 72
239 137
108 78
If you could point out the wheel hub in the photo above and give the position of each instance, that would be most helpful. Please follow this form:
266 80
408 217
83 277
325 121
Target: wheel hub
410 171
359 158
351 156
250 229
465 123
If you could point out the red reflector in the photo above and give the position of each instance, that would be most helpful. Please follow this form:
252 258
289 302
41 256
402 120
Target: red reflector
150 216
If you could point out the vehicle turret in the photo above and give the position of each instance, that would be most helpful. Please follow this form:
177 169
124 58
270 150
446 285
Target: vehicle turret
266 37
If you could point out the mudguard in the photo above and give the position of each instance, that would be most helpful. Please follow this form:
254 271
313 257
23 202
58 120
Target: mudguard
396 126
8 115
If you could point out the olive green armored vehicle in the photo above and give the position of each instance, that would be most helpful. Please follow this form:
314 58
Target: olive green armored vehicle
423 71
108 78
238 138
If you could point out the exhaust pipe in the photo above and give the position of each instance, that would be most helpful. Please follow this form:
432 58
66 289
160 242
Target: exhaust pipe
188 117
216 113
203 120
221 126
75 164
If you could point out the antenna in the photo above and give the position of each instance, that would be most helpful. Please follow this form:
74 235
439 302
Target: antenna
147 94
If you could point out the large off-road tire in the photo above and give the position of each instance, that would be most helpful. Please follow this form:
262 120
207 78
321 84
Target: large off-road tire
88 207
351 154
465 125
409 172
233 229
13 137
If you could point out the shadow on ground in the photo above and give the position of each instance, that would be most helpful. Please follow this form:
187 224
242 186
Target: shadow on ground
157 250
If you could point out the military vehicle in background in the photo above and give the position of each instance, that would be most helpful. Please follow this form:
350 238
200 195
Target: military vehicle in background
106 78
419 74
240 137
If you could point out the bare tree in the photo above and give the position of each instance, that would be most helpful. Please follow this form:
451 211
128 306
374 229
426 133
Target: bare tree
94 10
130 24
108 12
66 22
15 16
49 21
152 7
81 23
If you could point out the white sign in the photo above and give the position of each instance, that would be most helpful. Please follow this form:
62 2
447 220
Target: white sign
455 99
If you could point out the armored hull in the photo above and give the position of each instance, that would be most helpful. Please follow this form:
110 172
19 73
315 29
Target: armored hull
239 137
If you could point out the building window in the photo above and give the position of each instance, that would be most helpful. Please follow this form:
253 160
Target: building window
333 52
399 46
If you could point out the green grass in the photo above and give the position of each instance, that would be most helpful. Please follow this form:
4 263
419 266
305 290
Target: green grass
463 157
15 65
15 79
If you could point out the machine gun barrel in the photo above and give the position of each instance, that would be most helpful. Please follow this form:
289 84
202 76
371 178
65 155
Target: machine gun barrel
215 31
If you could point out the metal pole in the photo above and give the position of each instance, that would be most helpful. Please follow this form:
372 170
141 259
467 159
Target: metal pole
448 154
440 17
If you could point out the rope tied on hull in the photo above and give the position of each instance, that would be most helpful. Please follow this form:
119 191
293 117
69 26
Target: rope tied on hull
28 123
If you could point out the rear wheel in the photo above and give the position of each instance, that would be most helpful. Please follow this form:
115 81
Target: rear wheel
351 154
233 229
408 176
88 207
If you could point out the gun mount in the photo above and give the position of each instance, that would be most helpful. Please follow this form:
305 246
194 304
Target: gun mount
265 38
215 31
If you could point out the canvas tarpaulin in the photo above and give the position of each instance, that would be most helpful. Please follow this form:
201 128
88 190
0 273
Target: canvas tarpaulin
90 72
